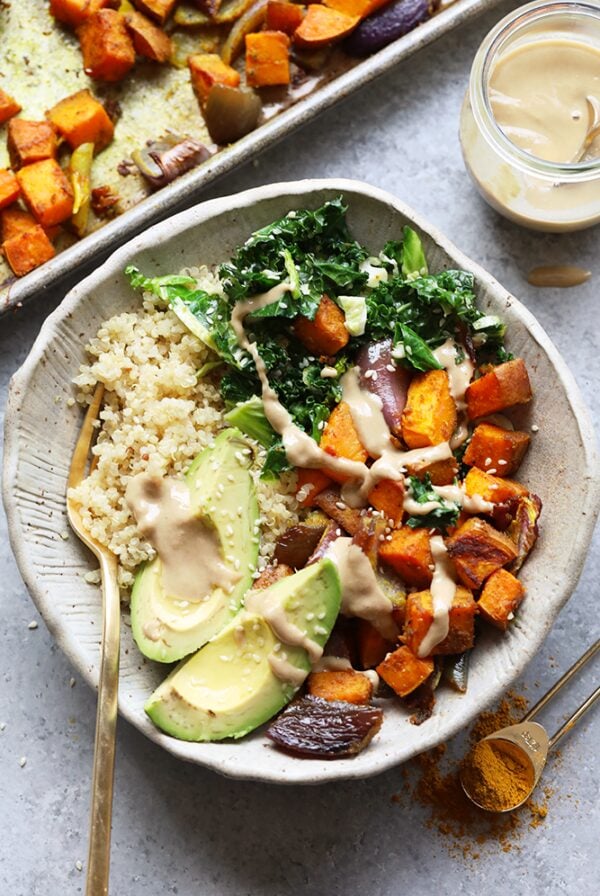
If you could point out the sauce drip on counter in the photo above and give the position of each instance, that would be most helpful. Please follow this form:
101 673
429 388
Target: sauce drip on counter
443 589
560 275
539 97
188 547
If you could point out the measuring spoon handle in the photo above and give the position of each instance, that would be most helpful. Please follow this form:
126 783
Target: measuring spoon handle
590 652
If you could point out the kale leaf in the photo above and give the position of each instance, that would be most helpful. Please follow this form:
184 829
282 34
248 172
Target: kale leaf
444 515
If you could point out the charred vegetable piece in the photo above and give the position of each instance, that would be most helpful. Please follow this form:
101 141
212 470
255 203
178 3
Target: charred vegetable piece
372 646
80 169
524 529
347 517
440 472
325 729
391 383
456 671
14 219
331 532
28 250
162 161
478 550
297 543
422 700
387 25
107 49
30 141
148 40
272 574
252 20
158 10
104 201
342 642
231 113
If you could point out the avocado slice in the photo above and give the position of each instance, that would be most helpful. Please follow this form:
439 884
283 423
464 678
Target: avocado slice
228 688
166 628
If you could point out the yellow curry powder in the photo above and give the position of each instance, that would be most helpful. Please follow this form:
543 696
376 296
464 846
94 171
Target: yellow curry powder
496 778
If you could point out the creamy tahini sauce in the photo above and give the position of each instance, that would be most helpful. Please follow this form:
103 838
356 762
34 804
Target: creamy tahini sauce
559 275
367 414
188 548
267 604
459 377
538 94
361 594
443 589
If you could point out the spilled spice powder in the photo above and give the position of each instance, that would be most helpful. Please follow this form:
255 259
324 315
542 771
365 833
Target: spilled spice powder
432 779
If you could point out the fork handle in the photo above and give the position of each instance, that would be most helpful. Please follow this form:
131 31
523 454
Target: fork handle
106 729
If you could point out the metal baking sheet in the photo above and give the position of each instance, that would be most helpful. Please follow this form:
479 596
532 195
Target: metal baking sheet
41 63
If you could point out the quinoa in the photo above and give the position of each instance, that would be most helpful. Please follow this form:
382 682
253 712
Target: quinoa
158 414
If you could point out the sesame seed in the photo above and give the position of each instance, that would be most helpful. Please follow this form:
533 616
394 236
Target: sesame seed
535 428
502 463
32 625
487 461
391 368
23 761
72 682
492 471
79 865
340 505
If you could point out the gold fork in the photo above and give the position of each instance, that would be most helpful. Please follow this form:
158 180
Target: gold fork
108 683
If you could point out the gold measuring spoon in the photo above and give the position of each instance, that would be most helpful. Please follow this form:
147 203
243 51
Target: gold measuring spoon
524 747
106 716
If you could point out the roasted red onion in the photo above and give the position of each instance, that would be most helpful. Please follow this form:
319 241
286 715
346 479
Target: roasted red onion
383 378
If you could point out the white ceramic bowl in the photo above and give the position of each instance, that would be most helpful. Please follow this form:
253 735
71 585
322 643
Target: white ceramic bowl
41 431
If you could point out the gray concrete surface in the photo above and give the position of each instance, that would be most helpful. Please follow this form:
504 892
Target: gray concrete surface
182 830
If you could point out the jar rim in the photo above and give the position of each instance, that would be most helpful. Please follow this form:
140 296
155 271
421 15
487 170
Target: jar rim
480 103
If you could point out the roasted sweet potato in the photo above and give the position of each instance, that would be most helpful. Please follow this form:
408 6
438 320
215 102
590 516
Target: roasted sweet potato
504 386
27 250
372 646
30 141
501 596
409 554
430 413
495 449
148 40
340 439
330 502
388 497
75 12
9 188
461 619
327 333
404 671
310 484
340 684
81 118
524 530
492 488
283 16
360 8
478 550
267 59
159 10
322 26
8 107
272 574
15 220
47 192
208 69
107 48
441 472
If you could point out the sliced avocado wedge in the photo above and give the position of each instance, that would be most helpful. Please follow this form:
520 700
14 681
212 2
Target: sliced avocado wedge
229 688
167 628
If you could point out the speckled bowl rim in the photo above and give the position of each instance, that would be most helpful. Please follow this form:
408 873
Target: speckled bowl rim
305 771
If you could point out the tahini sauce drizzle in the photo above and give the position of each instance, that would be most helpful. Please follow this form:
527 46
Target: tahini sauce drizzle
361 594
188 548
443 589
459 377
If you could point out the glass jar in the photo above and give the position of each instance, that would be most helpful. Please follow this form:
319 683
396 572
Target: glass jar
535 193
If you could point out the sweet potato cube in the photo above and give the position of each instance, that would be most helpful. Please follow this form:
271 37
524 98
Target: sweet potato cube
388 497
283 16
478 550
360 8
8 107
267 59
47 192
27 250
441 472
322 26
9 188
327 333
340 684
372 646
500 597
208 69
404 671
107 49
75 12
159 10
148 40
30 141
492 488
429 416
272 574
81 118
15 220
495 449
461 622
340 439
504 386
309 484
409 554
